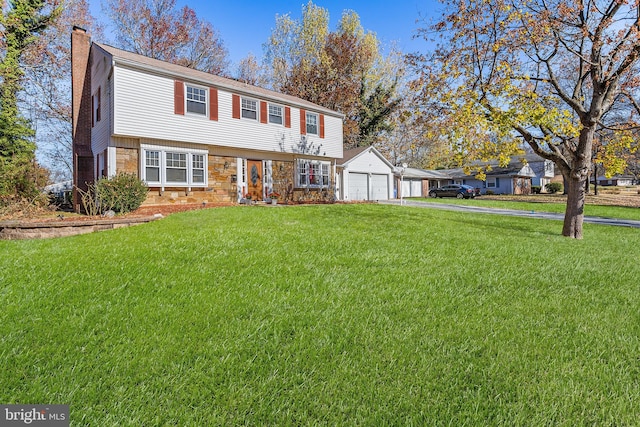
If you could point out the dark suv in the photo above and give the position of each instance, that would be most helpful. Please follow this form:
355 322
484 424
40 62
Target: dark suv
454 190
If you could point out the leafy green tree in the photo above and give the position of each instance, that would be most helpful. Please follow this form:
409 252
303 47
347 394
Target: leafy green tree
549 73
21 23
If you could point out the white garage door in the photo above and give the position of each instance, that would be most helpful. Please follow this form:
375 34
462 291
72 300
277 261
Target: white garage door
379 187
412 188
358 186
406 188
416 188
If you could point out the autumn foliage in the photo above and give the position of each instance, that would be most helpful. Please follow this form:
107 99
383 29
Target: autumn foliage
552 74
157 29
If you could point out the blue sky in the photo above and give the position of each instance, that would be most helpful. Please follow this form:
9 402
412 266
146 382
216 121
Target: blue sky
246 25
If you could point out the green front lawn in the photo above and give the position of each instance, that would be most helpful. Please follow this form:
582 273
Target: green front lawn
326 315
589 209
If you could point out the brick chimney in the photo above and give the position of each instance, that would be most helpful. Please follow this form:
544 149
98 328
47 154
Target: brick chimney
81 112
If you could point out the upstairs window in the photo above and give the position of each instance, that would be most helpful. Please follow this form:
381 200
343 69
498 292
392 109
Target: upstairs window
312 124
196 100
275 114
249 109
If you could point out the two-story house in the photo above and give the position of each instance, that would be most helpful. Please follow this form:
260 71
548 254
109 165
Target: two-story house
195 137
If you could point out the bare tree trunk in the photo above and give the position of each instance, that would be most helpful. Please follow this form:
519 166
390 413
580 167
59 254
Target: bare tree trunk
577 179
574 213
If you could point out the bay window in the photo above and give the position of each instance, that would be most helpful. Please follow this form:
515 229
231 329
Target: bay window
312 173
174 167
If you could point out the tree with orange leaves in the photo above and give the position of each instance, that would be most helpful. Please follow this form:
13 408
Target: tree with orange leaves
155 28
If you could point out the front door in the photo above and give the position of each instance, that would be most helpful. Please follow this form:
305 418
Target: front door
254 179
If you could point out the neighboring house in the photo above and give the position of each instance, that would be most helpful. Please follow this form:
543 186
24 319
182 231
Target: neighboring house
61 191
516 178
616 180
364 174
415 182
543 169
194 137
513 179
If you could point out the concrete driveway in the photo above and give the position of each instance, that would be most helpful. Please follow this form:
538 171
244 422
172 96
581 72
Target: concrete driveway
512 212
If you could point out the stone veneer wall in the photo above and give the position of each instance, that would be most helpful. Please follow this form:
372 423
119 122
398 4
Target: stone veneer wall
283 183
222 188
127 160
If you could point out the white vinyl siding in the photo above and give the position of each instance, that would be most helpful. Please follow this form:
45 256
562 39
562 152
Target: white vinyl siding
158 121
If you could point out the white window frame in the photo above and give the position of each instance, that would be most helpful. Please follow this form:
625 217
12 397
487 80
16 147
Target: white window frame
316 118
198 162
491 182
151 160
198 98
176 161
243 107
281 116
313 173
195 159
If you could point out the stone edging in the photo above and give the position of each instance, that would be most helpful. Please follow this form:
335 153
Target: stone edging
22 230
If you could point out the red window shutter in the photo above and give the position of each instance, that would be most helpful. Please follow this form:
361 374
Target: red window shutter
236 106
321 125
263 112
287 117
213 104
178 97
303 122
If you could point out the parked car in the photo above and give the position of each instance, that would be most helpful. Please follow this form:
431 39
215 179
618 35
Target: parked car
454 190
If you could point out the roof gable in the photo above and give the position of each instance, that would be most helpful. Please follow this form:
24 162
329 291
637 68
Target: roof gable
351 155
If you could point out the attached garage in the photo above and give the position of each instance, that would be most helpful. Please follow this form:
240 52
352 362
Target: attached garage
358 186
379 187
364 174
